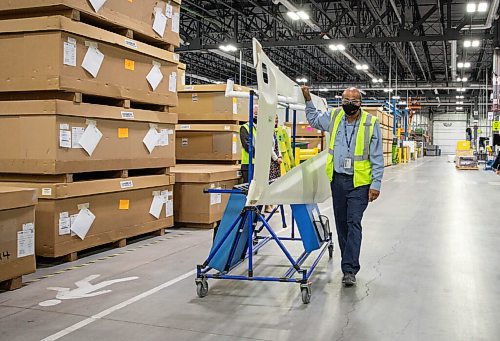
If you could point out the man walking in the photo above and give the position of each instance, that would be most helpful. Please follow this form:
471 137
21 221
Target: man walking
355 167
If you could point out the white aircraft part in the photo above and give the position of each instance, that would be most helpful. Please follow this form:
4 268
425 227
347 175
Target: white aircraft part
306 183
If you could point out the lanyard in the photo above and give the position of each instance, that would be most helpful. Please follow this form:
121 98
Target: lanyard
349 141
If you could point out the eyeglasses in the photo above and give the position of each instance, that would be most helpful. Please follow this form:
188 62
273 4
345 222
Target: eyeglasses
351 101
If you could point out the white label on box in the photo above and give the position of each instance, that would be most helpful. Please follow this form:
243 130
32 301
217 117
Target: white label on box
97 4
184 141
185 127
172 82
215 198
151 139
72 221
170 132
93 61
46 191
235 148
176 18
82 223
235 106
154 76
131 43
64 138
163 140
169 10
26 241
160 22
126 184
127 115
177 57
188 87
64 224
156 206
72 40
170 208
69 54
90 139
227 127
76 135
64 126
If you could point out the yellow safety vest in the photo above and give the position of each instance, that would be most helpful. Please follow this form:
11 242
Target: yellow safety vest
245 158
285 148
362 165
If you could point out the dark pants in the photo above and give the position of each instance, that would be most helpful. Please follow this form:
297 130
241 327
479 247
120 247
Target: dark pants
349 204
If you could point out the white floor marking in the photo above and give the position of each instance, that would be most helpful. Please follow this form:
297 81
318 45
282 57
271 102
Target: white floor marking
116 307
84 290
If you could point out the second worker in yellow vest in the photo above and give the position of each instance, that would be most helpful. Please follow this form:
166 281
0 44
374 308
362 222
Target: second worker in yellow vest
355 167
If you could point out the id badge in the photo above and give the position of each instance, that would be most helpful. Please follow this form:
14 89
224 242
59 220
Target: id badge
347 163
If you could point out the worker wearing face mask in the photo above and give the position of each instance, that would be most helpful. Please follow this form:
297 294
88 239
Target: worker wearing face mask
244 138
355 166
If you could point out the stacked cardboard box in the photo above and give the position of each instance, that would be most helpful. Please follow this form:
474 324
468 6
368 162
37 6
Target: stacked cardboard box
307 134
86 116
208 131
17 235
386 124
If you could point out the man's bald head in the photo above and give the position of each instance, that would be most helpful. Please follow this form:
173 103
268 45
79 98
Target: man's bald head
352 93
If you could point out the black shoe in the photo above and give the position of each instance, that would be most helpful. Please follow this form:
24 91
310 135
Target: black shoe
349 280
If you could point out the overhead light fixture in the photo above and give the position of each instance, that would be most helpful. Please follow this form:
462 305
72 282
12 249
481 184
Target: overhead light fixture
464 79
377 80
358 67
467 65
471 7
471 43
402 103
303 15
388 90
460 65
463 65
293 15
475 43
460 102
301 80
323 90
337 47
461 89
380 80
228 48
459 97
338 97
364 67
436 91
460 108
396 97
482 7
467 43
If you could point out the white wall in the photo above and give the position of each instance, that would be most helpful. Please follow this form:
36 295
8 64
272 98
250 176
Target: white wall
448 129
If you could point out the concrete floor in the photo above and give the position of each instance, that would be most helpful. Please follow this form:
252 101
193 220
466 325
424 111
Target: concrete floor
430 255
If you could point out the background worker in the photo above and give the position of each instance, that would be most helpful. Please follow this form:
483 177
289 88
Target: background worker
244 138
355 167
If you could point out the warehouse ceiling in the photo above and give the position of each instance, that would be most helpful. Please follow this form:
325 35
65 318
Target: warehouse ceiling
410 45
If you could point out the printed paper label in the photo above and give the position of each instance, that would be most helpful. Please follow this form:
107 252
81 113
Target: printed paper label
69 54
93 61
90 139
172 82
215 198
163 140
168 11
160 22
76 135
64 138
126 184
154 77
82 223
151 139
175 22
156 206
26 241
131 43
97 4
184 141
185 127
64 224
46 191
127 115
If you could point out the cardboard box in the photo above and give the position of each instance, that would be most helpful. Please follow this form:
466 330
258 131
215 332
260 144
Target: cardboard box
137 16
191 204
181 76
119 212
32 134
387 133
208 142
387 146
206 105
38 54
387 160
314 142
304 130
17 237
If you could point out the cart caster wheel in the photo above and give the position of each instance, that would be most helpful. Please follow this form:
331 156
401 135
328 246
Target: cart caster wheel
330 251
306 295
202 288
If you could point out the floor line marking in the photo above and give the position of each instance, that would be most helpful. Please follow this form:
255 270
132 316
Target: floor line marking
104 313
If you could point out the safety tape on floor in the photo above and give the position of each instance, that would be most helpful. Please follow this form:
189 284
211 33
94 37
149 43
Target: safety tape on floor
98 260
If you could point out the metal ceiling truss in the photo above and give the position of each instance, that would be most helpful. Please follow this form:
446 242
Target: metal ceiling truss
413 35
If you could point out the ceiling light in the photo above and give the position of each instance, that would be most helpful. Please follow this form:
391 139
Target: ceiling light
436 91
464 79
337 47
475 43
396 97
358 67
402 103
364 67
303 15
380 80
460 65
482 7
340 47
471 7
467 65
461 89
388 90
459 97
228 48
459 79
293 15
467 43
460 102
460 108
323 90
301 80
375 80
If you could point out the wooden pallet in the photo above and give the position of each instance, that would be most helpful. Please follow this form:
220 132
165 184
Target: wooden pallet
73 256
208 226
89 19
78 97
213 162
83 176
11 284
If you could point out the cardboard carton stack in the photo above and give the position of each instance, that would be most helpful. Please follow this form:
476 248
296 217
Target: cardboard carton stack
386 124
306 134
208 132
86 116
17 235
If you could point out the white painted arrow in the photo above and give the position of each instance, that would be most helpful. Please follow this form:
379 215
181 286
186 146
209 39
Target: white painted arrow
84 290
